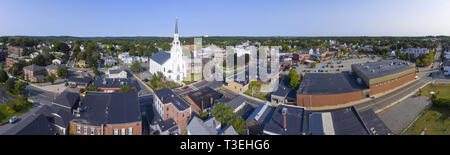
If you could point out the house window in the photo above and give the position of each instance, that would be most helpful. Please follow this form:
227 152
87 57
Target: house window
99 131
122 132
78 129
116 132
92 131
85 130
130 131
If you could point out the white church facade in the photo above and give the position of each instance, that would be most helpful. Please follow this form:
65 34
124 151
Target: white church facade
171 65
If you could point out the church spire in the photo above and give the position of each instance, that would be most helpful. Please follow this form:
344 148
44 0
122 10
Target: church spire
176 26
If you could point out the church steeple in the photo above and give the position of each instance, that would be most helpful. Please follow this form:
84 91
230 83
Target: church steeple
176 26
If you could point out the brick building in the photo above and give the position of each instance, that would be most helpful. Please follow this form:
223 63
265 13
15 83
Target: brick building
107 114
19 50
10 61
365 80
384 75
34 73
168 104
52 69
328 89
201 101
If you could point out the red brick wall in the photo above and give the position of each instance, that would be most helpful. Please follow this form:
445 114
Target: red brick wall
374 89
194 106
107 130
171 112
328 100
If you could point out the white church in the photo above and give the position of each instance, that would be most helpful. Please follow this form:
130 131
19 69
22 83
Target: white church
172 64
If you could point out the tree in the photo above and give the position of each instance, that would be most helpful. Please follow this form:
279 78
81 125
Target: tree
39 60
125 89
81 56
9 85
3 76
19 87
51 78
92 88
96 72
238 124
313 65
136 67
223 113
62 72
294 79
17 68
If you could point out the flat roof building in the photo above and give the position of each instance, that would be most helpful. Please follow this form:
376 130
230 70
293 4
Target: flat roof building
329 89
384 75
170 105
115 113
202 100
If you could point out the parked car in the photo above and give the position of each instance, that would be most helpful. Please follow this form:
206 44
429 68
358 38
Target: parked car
13 119
145 80
185 87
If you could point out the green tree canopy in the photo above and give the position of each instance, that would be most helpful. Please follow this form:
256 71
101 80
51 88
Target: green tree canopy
125 89
50 78
9 85
136 67
3 76
223 113
294 79
19 87
62 72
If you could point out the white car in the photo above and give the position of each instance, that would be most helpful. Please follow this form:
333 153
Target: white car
13 119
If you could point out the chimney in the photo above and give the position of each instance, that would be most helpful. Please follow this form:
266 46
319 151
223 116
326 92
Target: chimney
215 125
211 100
284 113
162 99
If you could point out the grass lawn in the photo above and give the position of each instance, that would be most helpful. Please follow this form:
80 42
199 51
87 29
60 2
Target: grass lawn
436 121
442 90
254 91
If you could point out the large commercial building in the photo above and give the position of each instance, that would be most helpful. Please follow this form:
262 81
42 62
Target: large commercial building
384 75
365 80
329 89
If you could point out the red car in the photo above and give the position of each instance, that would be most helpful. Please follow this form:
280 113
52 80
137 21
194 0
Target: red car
185 87
189 92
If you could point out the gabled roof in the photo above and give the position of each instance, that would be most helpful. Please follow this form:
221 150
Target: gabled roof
68 99
38 124
160 57
199 127
52 67
236 102
33 68
229 130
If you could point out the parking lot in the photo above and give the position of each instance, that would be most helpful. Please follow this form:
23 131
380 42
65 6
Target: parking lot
334 65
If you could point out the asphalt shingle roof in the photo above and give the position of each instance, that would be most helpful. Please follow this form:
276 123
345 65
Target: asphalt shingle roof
33 68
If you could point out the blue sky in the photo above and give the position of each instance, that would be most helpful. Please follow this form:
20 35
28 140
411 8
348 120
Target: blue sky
87 18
